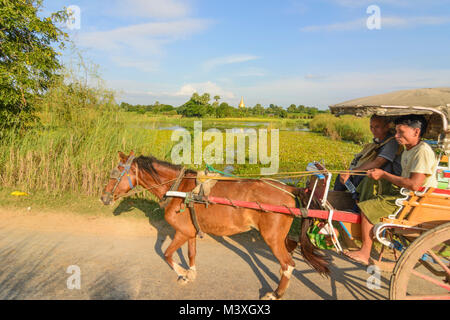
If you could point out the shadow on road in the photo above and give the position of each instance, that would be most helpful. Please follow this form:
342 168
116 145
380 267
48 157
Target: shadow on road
22 278
256 250
155 215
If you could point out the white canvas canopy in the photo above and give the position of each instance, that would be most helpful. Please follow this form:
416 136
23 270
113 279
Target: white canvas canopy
434 103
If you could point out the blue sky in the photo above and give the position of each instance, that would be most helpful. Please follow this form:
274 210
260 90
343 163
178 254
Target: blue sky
312 52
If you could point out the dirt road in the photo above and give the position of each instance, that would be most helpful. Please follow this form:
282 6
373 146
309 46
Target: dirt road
121 258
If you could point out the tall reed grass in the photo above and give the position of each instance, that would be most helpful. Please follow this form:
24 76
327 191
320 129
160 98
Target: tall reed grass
74 145
348 128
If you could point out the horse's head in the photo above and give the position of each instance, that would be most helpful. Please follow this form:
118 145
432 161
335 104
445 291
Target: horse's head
123 178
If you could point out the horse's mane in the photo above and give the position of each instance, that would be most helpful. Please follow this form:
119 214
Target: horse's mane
146 163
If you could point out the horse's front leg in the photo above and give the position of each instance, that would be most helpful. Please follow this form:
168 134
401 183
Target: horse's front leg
178 240
192 251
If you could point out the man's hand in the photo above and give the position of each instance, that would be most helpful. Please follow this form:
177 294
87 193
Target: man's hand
376 174
344 177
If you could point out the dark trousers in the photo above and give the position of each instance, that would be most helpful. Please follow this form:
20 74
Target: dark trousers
339 186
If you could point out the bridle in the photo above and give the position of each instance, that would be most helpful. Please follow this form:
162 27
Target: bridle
118 175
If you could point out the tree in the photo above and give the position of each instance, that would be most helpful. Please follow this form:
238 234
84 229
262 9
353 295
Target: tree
216 102
225 110
28 60
301 109
312 111
202 100
258 110
292 108
197 106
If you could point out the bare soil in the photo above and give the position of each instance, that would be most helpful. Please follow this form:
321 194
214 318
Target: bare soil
122 258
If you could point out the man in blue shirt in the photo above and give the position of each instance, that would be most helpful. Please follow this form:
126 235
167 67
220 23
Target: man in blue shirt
384 153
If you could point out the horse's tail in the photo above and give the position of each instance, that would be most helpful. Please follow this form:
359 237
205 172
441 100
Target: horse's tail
309 251
313 258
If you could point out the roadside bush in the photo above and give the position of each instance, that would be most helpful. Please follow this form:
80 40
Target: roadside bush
348 128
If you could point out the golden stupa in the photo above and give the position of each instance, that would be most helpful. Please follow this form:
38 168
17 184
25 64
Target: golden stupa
242 104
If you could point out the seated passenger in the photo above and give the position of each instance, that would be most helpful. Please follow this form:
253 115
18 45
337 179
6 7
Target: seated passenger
419 165
383 153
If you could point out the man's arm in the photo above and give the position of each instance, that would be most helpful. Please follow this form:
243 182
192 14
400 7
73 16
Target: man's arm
413 183
379 162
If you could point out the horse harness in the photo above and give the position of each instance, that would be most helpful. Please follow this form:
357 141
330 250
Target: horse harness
118 175
189 204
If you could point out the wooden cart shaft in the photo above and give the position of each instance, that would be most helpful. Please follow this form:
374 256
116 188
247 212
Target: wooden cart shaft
342 216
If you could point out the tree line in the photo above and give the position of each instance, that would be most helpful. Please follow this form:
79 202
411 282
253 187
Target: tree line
200 106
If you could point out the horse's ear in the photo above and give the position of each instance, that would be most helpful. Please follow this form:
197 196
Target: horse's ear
131 153
122 156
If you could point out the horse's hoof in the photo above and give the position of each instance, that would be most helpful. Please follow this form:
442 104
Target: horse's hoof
181 272
191 274
182 281
270 296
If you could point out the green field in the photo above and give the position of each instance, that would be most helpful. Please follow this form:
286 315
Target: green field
58 164
348 128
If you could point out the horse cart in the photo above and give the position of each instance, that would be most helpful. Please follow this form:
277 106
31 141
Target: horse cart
418 234
413 244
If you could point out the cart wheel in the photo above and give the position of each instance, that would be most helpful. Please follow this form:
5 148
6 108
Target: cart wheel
423 270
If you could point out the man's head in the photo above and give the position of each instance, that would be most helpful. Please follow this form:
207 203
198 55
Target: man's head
379 127
410 129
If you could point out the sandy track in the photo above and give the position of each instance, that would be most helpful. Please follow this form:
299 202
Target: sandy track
121 258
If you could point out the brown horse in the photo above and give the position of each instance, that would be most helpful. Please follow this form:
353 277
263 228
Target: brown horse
220 220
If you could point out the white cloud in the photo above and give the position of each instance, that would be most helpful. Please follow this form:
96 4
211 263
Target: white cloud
140 46
217 62
386 22
252 72
210 87
339 26
310 76
314 90
415 21
398 3
159 9
150 26
146 36
167 93
148 65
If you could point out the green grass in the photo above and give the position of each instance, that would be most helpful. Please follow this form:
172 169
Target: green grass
56 160
349 128
65 169
138 207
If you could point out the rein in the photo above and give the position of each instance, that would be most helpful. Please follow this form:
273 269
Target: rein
127 167
176 182
133 192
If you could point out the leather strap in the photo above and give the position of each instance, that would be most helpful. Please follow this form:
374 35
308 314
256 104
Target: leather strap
194 220
165 201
